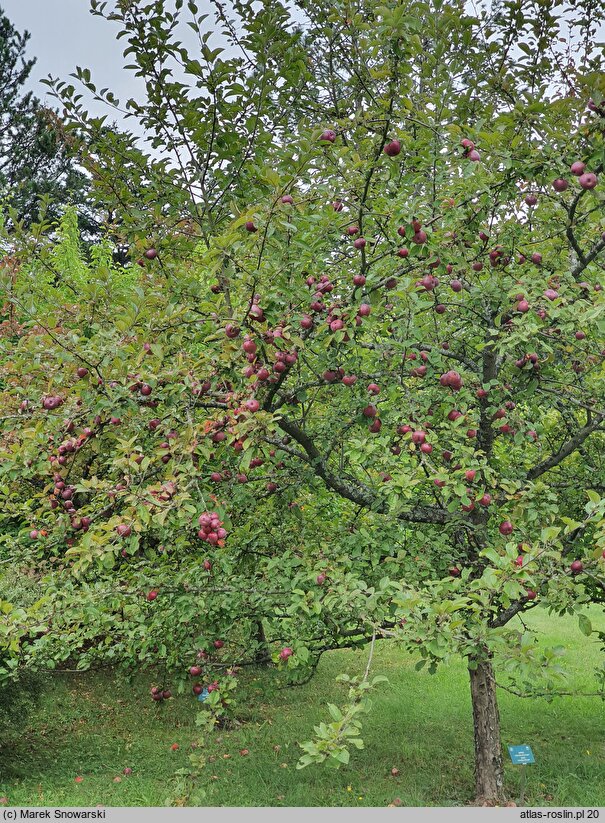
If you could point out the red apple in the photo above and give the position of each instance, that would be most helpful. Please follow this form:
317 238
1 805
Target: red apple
328 136
392 148
588 181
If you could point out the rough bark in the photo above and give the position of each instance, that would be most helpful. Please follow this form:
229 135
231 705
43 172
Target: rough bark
489 768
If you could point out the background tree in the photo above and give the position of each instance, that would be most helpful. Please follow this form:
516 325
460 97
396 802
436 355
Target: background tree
388 316
36 164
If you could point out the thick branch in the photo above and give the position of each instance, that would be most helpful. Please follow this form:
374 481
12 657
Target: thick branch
585 259
355 491
566 449
503 617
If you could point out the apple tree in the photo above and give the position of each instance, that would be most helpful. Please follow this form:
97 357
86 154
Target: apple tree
351 387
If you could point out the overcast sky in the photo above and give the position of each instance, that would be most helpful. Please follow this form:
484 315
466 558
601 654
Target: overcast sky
64 35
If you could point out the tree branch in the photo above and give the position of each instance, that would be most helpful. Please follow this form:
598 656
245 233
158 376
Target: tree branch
355 491
566 449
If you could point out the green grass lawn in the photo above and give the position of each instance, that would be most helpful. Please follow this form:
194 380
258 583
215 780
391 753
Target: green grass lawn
95 725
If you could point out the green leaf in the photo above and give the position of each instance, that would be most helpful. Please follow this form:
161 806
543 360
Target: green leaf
335 712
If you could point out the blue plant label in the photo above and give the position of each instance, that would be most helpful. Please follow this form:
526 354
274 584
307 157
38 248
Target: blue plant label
201 697
521 755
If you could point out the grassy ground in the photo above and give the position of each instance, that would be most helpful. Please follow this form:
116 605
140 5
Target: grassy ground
95 725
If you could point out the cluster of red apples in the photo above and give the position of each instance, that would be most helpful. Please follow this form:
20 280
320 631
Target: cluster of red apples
211 528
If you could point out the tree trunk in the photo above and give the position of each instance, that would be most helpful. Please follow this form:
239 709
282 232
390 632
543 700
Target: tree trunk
263 653
489 769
